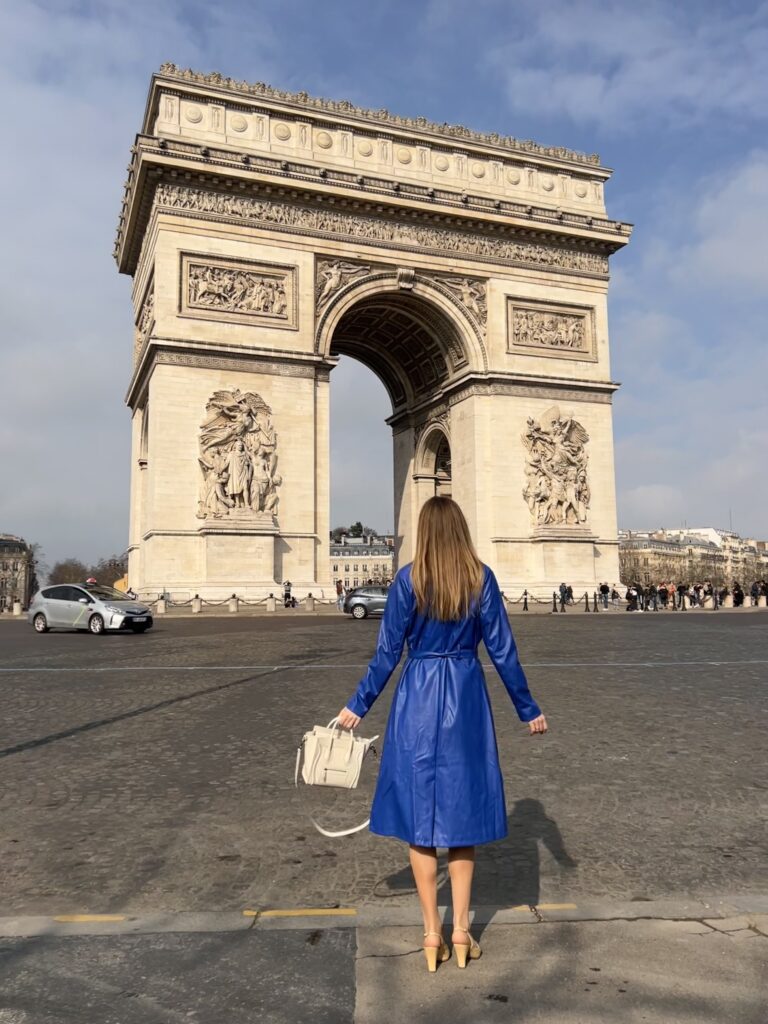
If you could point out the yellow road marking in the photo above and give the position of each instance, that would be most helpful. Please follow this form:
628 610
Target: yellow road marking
81 918
556 906
309 912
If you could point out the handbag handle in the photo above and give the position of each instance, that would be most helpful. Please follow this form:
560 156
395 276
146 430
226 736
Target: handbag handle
335 721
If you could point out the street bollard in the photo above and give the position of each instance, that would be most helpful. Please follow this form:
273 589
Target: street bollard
586 602
271 603
310 603
594 602
728 601
525 600
562 602
554 601
233 603
17 607
162 606
762 601
197 604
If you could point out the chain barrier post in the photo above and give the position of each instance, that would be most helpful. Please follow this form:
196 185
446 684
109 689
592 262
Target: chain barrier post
310 603
162 606
271 603
233 603
197 604
554 601
594 602
525 600
562 602
586 602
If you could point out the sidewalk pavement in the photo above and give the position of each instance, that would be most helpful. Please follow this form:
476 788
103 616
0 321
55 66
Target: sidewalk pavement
564 965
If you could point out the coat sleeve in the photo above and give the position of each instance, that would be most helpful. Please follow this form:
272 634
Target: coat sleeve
498 639
398 613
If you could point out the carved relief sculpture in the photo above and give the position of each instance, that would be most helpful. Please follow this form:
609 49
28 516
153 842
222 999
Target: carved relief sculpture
145 321
332 275
471 294
237 291
551 329
556 488
280 215
238 458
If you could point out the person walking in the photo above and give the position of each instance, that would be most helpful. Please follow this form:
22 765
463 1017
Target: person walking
340 595
439 782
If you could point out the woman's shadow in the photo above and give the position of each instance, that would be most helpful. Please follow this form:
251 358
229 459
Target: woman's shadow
508 872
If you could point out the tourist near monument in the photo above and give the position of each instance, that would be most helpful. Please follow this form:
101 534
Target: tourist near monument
440 783
267 233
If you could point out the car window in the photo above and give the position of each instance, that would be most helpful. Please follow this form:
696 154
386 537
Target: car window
56 594
102 593
73 593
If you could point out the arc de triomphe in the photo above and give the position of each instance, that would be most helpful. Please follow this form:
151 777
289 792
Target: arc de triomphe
267 233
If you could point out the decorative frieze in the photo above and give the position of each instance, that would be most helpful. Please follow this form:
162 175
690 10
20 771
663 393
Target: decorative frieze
556 486
239 291
551 329
382 231
238 459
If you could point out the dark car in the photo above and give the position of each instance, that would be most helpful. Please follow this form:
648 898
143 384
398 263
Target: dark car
87 606
364 601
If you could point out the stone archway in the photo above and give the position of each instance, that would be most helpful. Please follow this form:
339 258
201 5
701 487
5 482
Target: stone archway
268 233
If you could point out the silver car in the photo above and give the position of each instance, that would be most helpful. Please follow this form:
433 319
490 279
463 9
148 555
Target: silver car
86 606
364 601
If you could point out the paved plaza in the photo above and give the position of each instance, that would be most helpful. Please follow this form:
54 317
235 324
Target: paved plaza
150 778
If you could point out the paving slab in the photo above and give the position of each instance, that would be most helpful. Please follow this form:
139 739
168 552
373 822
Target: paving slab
577 973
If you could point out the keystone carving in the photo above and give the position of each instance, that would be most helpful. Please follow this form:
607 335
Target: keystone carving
238 458
556 489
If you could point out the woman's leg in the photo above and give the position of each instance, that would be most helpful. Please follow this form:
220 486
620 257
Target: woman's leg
461 865
424 865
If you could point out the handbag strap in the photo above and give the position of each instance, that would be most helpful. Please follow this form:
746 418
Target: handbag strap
318 826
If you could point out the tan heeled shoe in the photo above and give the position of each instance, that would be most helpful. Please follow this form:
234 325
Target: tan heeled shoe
466 950
436 953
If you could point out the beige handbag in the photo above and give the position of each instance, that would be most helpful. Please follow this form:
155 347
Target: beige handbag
332 757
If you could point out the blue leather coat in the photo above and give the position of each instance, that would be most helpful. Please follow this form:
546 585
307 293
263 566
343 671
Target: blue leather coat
439 782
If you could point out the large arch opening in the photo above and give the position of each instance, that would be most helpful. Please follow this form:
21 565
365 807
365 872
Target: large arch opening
415 350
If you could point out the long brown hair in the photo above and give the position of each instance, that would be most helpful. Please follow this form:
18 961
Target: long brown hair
446 573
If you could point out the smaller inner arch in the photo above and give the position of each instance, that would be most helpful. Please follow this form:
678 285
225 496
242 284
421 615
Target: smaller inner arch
434 470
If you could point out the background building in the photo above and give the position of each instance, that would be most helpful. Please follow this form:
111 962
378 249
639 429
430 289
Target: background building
16 571
691 555
359 560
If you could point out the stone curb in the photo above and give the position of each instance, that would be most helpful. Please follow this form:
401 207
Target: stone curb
375 916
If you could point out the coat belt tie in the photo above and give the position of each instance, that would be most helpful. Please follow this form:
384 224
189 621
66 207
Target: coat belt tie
461 653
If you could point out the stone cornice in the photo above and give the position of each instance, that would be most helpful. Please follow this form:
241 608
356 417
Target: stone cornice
304 103
153 162
178 352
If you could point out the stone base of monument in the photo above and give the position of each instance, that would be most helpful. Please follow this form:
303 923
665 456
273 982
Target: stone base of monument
239 547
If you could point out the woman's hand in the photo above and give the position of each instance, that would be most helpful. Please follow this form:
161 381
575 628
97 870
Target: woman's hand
349 720
538 725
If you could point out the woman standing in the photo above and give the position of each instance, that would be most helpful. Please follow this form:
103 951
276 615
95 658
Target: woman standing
440 783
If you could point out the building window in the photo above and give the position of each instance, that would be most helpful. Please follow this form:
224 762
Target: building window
346 582
365 567
346 568
336 568
357 568
356 582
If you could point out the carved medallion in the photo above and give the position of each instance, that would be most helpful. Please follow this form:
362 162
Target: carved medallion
238 459
556 486
238 291
551 329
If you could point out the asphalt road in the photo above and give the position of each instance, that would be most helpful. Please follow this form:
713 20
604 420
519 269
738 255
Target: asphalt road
155 772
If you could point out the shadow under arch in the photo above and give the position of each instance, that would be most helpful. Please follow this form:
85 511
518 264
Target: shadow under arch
415 337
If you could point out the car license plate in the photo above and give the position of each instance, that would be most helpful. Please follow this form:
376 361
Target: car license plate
139 618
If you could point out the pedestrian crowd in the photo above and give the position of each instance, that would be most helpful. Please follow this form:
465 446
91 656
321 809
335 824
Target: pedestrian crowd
652 597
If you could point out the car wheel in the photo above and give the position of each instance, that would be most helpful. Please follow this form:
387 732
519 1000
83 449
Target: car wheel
96 624
359 611
40 623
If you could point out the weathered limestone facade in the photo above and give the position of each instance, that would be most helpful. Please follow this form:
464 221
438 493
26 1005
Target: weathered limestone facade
266 234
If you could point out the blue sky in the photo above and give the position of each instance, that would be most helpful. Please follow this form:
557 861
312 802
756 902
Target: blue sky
672 96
